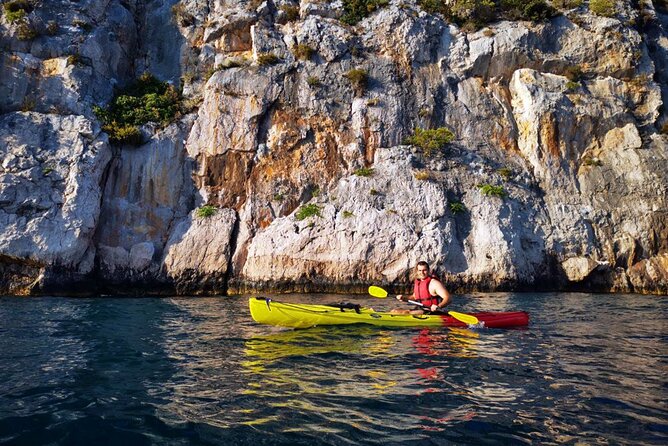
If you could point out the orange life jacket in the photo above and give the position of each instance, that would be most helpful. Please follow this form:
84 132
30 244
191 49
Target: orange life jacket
422 295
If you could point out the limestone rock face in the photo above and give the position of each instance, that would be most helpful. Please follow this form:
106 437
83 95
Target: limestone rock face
77 57
556 178
50 195
198 252
380 226
147 190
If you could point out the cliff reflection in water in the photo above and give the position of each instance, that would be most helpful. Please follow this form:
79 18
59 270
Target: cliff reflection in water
204 339
289 368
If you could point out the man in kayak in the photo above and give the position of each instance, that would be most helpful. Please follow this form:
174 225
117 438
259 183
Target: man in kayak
427 290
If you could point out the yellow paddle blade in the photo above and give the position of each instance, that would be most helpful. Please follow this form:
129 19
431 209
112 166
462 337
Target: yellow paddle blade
466 318
377 291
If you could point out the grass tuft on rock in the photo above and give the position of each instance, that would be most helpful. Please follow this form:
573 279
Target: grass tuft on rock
358 78
364 172
605 8
313 81
430 140
308 210
291 12
267 59
356 10
16 10
505 173
26 31
457 207
592 161
303 51
206 211
492 191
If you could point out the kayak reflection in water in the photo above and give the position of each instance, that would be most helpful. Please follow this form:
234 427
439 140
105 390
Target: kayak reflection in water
427 290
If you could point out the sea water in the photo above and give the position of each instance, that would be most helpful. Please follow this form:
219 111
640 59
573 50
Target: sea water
590 369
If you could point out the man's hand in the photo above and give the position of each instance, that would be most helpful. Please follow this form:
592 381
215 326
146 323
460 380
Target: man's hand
400 297
434 308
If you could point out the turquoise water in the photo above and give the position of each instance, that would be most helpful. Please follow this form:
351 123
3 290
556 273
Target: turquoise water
590 369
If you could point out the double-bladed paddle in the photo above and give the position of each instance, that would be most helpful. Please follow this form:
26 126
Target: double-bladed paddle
380 293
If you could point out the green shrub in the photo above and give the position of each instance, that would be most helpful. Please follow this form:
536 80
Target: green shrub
231 62
567 4
435 7
52 28
123 133
267 59
493 191
83 25
291 12
206 211
573 73
430 140
147 100
373 102
505 172
422 175
472 15
188 77
308 210
373 192
358 78
28 104
348 214
303 52
534 10
16 10
210 72
26 31
182 17
74 59
591 161
477 13
279 197
424 112
457 207
356 10
572 86
364 172
356 49
606 8
313 81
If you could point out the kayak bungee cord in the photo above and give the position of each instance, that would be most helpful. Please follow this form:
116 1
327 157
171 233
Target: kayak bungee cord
311 310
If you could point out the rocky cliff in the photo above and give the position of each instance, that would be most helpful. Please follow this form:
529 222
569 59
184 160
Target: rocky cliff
317 146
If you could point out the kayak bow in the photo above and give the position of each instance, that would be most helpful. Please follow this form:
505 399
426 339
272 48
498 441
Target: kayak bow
267 311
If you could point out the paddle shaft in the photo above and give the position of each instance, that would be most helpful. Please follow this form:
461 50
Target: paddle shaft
465 318
419 305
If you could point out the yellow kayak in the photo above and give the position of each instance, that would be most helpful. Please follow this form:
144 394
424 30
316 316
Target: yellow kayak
267 311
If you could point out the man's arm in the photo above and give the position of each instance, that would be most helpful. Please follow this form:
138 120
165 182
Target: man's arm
405 299
436 288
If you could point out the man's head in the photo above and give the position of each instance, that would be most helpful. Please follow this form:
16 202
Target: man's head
422 270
